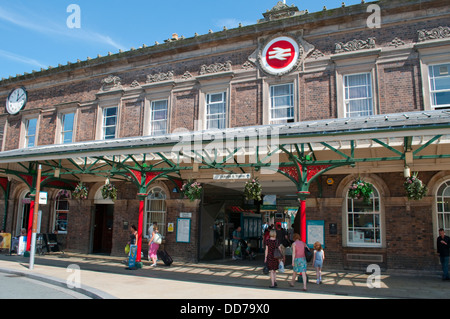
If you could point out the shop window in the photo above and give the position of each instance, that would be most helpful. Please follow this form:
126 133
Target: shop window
158 121
61 211
358 95
364 222
281 103
443 206
155 210
440 85
216 110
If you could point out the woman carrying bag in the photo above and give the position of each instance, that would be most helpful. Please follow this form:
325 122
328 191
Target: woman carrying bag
299 263
153 247
270 260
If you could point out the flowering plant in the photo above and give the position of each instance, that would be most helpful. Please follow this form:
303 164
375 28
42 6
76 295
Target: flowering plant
415 188
80 191
109 191
252 190
360 189
192 190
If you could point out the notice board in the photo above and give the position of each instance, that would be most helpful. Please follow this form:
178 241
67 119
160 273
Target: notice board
183 230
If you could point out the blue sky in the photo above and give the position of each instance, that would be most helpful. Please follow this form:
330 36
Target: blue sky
34 33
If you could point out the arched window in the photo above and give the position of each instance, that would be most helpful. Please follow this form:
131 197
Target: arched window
61 211
443 206
24 213
364 222
155 210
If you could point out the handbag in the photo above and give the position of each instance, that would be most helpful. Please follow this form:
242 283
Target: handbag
157 239
277 252
308 254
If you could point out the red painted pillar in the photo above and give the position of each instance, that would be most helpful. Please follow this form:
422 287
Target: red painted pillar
140 227
302 199
30 225
303 220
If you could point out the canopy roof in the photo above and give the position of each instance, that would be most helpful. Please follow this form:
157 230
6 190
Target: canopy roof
406 137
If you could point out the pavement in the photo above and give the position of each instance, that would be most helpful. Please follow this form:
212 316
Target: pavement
106 277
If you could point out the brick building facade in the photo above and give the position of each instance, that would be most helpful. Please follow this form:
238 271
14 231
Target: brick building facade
348 80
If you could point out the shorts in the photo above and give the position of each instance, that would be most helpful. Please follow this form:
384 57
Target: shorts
300 264
318 263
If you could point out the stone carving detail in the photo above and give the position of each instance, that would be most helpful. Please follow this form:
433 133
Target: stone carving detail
355 45
187 75
317 54
396 43
281 11
436 33
248 65
135 84
152 78
216 67
111 82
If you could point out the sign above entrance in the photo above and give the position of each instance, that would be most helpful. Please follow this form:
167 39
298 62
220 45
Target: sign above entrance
280 55
231 176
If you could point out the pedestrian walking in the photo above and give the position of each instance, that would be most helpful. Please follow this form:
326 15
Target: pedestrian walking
269 259
235 242
133 235
443 250
153 246
319 257
299 263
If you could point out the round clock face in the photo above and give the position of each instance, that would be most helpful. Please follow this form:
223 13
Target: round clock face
280 55
16 100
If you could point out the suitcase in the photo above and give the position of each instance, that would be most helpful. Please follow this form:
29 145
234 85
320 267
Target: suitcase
165 257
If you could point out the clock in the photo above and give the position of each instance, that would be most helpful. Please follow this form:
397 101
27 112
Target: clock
16 100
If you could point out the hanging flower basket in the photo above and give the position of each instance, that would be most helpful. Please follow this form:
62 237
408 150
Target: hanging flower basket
252 190
415 188
109 191
192 190
360 189
80 192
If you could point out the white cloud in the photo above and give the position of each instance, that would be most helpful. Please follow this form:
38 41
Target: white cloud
51 29
231 23
22 59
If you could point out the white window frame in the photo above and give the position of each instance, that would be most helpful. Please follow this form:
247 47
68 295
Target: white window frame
152 120
61 211
291 106
222 116
368 97
349 210
160 215
60 127
442 214
25 134
431 78
431 53
104 120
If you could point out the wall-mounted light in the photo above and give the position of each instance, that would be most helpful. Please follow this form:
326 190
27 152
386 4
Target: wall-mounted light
407 171
57 172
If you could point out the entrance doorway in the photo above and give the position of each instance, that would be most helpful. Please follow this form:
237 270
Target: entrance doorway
103 229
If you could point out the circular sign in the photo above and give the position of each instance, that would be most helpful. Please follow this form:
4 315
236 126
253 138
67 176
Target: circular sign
280 55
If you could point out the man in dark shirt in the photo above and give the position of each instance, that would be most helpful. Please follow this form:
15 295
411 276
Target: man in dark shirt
443 248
